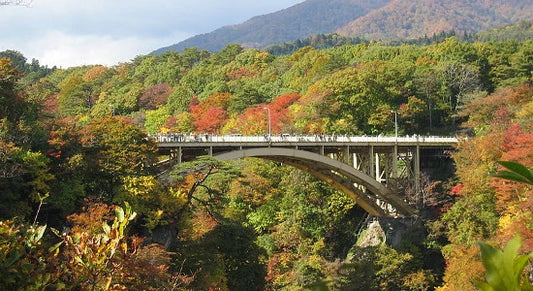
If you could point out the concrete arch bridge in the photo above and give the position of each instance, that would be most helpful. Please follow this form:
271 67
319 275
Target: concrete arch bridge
366 168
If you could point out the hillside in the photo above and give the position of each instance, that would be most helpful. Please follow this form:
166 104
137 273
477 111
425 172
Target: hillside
371 20
299 21
404 19
75 143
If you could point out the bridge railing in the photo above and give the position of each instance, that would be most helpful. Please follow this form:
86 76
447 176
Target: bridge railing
284 138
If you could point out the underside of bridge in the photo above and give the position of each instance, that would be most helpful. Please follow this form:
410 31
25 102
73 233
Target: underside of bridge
370 194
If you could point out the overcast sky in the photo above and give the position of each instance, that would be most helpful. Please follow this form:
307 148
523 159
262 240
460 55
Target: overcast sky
69 33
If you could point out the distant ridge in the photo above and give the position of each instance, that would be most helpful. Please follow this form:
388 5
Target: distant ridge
408 19
299 21
365 19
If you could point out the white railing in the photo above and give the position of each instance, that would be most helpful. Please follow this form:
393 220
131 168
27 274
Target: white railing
284 138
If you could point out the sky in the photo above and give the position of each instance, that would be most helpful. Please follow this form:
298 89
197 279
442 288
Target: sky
66 33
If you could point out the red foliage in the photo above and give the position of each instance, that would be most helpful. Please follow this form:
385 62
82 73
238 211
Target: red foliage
210 114
255 119
517 147
456 190
155 96
211 120
515 199
50 105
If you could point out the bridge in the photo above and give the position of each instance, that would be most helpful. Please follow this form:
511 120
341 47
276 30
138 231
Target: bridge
372 170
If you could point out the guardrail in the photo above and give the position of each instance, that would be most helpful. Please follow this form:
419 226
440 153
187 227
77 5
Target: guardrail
284 138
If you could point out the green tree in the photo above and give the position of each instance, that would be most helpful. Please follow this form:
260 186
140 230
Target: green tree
114 148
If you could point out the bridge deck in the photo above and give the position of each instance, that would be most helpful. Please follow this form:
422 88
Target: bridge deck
180 140
360 166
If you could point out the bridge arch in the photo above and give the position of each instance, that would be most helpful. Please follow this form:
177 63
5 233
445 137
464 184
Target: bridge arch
341 176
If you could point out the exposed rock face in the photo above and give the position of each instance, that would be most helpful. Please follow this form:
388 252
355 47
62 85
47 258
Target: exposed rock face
373 236
385 230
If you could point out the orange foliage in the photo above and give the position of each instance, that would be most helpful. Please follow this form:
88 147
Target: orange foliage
200 224
463 265
496 110
255 119
93 73
90 220
241 72
515 199
211 114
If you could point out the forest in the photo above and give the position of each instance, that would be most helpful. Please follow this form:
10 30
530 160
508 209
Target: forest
83 206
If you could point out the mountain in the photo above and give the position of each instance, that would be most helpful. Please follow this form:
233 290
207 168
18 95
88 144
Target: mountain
407 19
368 19
299 21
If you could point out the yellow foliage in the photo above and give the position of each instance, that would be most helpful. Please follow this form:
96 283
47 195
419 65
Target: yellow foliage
463 267
179 196
139 186
526 113
505 221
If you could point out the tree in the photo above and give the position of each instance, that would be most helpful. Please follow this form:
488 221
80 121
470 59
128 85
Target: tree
73 99
205 182
10 101
114 148
16 2
210 114
154 96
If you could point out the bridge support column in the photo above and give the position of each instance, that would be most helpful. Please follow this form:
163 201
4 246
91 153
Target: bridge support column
394 170
371 171
417 168
347 155
378 169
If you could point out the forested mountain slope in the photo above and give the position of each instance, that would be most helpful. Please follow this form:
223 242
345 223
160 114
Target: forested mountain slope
402 19
370 20
299 21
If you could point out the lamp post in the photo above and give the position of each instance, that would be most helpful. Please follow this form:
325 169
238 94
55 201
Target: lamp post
395 122
269 121
112 109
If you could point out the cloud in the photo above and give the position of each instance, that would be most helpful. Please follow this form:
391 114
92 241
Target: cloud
57 48
76 32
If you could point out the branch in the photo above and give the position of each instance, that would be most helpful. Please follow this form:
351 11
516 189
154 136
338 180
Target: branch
26 3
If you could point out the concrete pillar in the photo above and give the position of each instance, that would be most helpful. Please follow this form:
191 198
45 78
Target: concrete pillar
378 170
371 171
394 173
417 168
347 155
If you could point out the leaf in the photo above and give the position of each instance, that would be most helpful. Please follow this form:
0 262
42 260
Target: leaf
517 172
482 286
119 212
54 247
40 233
106 227
503 268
